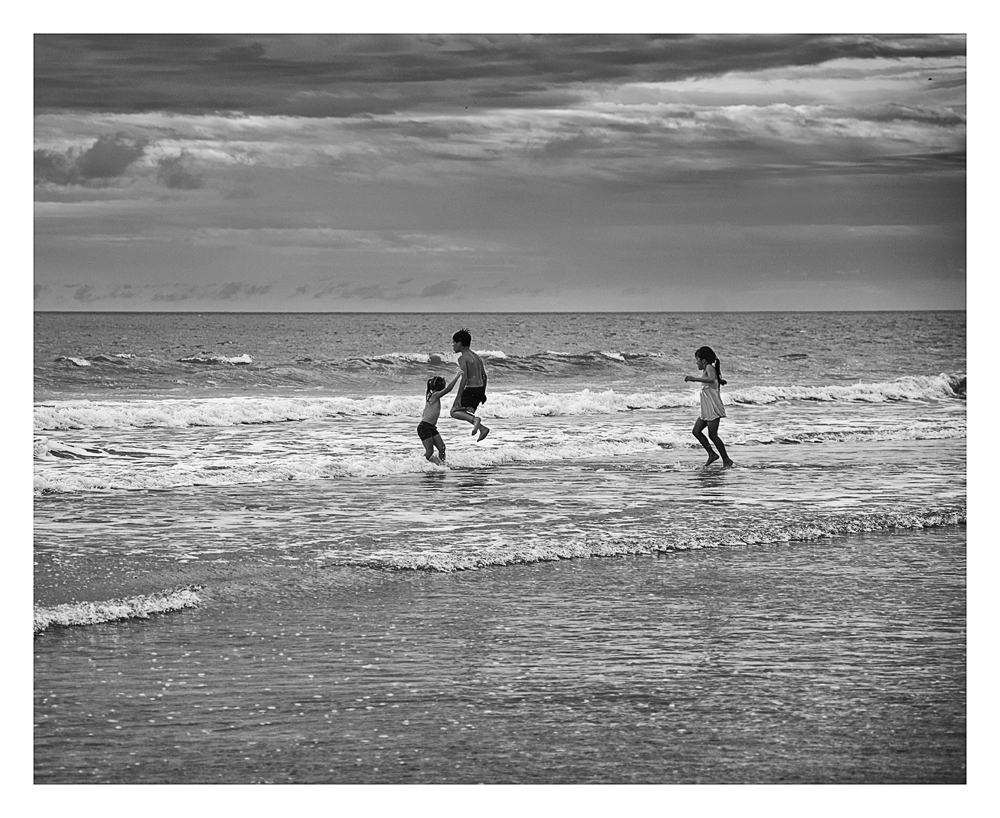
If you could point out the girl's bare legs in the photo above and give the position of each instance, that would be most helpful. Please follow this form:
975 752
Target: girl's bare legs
713 433
699 432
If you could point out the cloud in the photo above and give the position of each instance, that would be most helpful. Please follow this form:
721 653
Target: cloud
379 292
56 168
231 291
419 170
234 290
439 290
365 293
176 172
184 295
107 158
344 75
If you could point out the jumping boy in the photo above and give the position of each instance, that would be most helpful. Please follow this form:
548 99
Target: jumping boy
472 387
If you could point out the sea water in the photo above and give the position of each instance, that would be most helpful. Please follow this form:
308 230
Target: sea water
245 569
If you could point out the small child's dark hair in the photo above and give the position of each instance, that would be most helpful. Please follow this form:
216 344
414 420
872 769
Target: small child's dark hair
435 384
463 337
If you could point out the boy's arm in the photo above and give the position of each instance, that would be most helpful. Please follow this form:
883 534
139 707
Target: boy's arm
463 370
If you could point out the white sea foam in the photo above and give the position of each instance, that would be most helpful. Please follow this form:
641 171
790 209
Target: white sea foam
235 360
514 553
911 387
214 469
408 357
281 457
138 607
82 414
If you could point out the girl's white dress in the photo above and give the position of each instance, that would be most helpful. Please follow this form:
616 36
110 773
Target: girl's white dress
711 399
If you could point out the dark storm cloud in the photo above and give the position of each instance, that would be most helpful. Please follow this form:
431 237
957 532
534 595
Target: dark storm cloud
343 75
57 168
108 158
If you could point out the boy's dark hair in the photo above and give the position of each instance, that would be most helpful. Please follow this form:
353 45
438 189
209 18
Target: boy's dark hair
462 337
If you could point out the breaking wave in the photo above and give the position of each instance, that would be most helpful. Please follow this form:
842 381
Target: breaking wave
611 546
137 607
234 411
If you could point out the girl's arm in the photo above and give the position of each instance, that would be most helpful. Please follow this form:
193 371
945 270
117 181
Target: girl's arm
446 390
707 379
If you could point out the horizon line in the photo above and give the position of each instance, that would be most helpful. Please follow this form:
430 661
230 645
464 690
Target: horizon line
485 312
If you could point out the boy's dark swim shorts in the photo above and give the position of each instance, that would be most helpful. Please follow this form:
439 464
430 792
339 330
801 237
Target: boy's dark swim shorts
472 396
426 430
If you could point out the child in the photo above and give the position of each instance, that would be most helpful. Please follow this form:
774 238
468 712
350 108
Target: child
427 428
712 410
472 390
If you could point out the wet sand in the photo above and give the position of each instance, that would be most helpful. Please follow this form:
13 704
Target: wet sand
836 661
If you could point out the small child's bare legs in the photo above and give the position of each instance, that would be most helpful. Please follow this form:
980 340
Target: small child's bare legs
430 444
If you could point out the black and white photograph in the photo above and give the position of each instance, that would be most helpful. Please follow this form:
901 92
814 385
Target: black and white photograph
499 408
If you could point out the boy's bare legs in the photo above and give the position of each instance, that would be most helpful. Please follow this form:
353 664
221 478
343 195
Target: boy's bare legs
469 417
699 432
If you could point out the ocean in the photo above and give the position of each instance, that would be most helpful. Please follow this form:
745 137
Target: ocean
245 571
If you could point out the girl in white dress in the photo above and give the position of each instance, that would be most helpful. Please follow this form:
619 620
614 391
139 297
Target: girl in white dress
712 410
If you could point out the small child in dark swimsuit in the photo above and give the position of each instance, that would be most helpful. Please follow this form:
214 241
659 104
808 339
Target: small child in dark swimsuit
427 428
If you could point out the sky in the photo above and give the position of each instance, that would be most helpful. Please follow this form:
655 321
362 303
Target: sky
499 172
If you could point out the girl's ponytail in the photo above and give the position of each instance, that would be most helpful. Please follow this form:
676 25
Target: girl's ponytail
708 355
718 373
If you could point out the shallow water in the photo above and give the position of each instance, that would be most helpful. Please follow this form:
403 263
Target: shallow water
86 548
245 570
835 661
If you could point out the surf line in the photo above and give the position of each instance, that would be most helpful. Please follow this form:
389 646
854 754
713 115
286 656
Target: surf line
138 607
